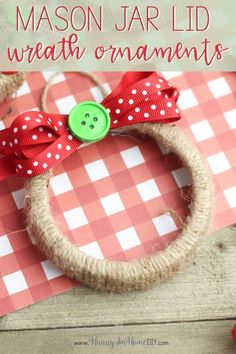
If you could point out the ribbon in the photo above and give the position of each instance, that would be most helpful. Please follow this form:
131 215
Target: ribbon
9 72
37 141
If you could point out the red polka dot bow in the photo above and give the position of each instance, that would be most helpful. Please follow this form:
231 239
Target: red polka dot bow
37 141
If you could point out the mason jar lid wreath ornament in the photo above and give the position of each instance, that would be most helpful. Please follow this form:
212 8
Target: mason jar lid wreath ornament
10 81
37 141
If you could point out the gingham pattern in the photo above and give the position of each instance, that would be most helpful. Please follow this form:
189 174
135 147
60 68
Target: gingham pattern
112 198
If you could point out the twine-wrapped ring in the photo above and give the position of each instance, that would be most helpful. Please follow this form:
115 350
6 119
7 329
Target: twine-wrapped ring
138 274
10 83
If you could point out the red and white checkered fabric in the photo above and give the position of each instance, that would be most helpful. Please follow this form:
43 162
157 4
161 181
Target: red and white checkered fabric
112 198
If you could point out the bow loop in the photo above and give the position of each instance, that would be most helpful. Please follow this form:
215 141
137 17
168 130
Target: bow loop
140 97
32 132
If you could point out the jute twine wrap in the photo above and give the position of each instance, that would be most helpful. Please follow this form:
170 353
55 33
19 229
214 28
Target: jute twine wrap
10 84
138 274
92 77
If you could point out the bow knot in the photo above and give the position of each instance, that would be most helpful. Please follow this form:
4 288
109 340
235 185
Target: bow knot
37 141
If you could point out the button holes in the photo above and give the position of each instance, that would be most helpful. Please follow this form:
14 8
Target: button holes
91 126
95 119
83 122
87 115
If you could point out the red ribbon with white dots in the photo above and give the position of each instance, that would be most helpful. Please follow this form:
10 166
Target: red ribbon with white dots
37 141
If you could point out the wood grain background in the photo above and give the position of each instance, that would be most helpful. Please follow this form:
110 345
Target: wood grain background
194 313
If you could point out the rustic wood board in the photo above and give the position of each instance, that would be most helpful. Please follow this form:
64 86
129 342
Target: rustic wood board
208 337
194 311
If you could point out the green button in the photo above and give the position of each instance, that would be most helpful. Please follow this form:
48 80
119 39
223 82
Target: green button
89 121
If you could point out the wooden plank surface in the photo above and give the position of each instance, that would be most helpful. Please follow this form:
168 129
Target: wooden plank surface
194 312
209 337
205 290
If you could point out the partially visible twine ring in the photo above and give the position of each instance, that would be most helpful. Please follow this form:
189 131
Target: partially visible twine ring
10 84
92 77
138 274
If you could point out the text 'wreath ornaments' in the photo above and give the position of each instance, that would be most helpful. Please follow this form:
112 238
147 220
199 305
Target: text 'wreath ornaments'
9 83
37 141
